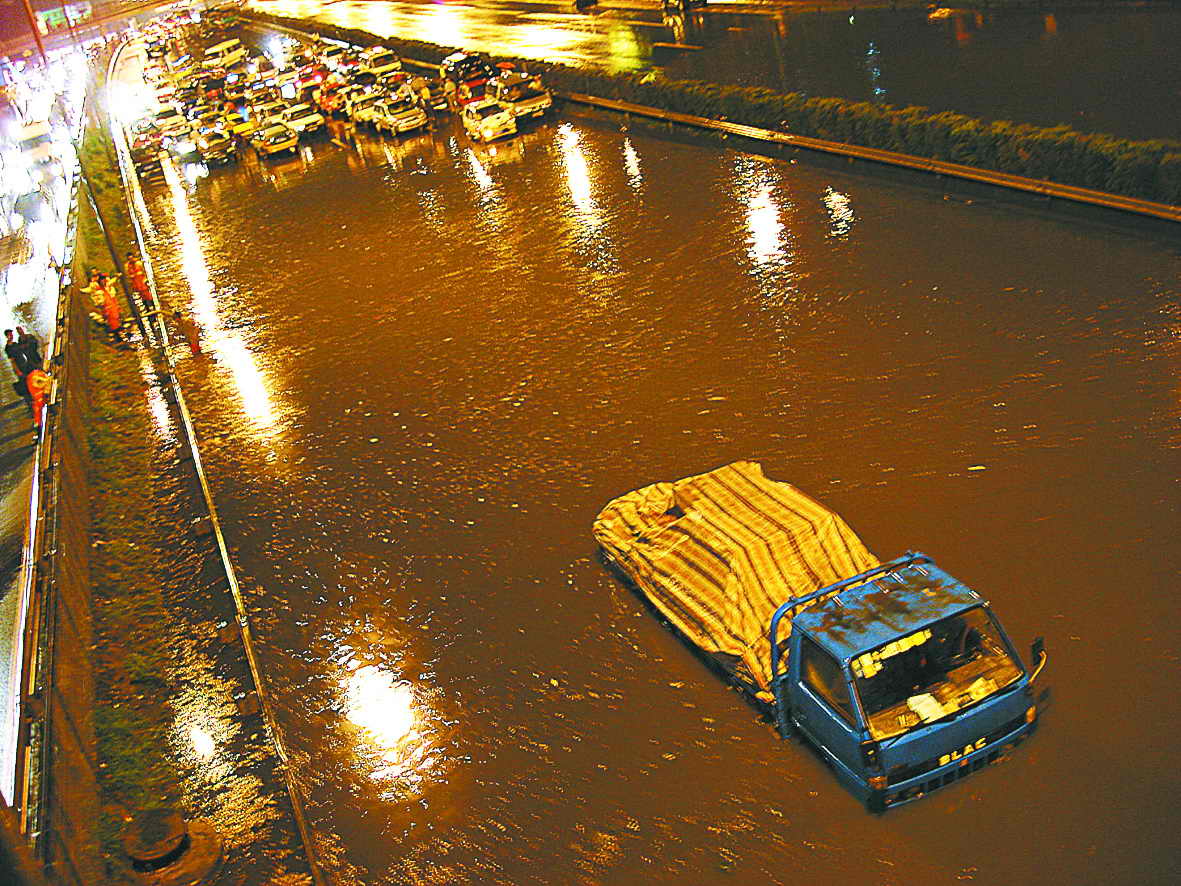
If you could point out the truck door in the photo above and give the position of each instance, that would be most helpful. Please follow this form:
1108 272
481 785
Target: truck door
823 708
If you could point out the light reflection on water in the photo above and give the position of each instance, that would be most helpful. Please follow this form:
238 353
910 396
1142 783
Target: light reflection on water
395 747
577 174
840 210
758 187
631 161
226 345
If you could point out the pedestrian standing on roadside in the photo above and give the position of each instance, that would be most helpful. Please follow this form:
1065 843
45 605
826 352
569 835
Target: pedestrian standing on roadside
138 278
94 289
110 307
38 382
188 330
16 355
31 346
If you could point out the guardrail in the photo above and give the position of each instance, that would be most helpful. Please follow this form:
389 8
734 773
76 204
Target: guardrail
166 372
1038 187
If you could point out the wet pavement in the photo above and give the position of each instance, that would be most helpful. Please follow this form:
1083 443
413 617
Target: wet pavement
429 365
1095 70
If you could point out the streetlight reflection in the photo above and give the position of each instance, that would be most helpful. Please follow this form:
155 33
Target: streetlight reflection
840 212
202 742
385 710
766 231
577 174
631 161
227 346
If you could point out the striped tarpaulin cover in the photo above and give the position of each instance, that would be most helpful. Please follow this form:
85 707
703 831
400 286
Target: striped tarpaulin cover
719 552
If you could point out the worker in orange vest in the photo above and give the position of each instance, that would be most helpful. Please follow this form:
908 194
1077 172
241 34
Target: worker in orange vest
110 306
38 383
138 278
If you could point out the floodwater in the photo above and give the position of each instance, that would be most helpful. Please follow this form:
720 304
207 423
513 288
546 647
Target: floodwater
1098 70
428 366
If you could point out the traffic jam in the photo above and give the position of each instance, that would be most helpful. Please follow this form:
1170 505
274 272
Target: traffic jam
217 98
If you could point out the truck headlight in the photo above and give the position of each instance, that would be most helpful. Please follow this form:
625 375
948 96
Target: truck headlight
869 753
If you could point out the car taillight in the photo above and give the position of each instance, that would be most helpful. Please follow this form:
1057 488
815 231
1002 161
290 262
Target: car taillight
877 782
1031 713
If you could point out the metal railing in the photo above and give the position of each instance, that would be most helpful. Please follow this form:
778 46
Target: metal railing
54 773
166 372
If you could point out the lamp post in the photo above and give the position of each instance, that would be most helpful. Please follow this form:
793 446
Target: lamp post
36 33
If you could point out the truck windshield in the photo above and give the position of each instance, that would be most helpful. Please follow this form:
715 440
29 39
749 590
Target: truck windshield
932 673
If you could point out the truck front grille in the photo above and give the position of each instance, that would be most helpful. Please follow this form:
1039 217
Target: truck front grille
900 774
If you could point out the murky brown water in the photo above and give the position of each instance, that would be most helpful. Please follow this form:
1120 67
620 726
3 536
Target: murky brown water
430 365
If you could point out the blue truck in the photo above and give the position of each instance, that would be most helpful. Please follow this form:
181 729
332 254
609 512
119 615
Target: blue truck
897 673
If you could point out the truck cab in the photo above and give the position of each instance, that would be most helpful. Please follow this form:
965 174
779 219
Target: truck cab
902 678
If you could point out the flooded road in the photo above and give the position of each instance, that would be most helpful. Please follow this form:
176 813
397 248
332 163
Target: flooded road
1095 70
429 364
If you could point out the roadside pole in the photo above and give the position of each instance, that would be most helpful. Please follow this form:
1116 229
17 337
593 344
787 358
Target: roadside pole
36 34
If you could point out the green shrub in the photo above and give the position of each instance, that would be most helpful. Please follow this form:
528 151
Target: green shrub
1168 178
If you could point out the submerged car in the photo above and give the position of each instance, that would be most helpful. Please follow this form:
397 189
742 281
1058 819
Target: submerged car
488 119
395 115
303 118
465 66
378 64
275 139
523 93
358 106
217 148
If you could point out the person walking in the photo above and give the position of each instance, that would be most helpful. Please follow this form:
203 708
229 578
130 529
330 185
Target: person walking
188 330
30 345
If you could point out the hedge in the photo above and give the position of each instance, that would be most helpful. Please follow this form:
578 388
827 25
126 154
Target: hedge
1149 170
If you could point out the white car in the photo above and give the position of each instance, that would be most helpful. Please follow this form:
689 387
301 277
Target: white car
395 115
359 106
267 112
488 119
380 62
303 118
523 93
334 56
223 55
